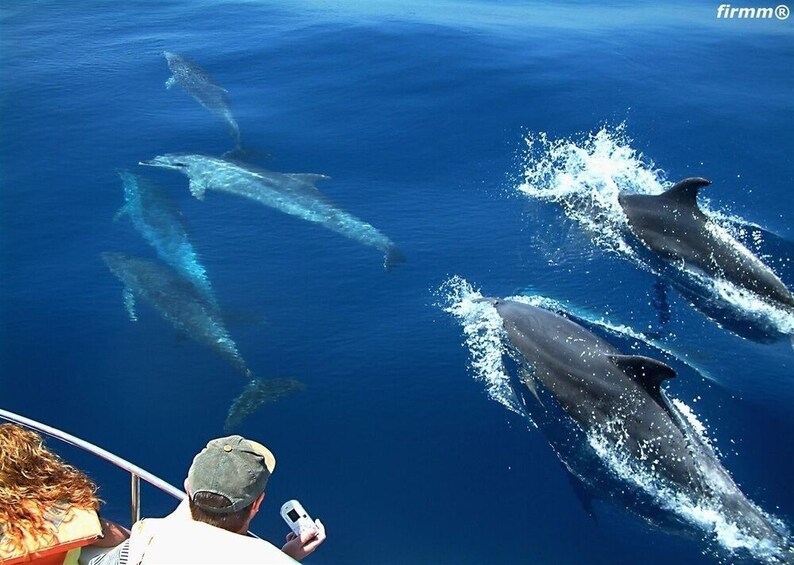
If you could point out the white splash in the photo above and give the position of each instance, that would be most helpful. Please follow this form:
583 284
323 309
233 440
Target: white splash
703 513
692 419
586 175
484 333
780 319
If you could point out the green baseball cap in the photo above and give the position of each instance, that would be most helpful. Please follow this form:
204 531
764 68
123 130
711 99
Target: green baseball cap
232 467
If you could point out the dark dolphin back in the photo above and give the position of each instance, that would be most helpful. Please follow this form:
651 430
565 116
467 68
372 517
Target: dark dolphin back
673 226
617 398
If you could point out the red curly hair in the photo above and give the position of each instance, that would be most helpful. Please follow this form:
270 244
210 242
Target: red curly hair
32 480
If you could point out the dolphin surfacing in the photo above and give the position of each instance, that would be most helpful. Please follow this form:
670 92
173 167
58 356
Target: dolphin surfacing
292 193
199 84
674 227
617 398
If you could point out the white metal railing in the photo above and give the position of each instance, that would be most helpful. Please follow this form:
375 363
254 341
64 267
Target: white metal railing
136 473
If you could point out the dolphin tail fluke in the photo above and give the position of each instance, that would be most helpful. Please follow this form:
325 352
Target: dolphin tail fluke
393 257
234 131
241 152
257 393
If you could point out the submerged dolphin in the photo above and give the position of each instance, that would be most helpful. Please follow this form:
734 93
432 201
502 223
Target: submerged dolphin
255 394
184 305
196 82
177 300
160 223
617 397
291 193
675 228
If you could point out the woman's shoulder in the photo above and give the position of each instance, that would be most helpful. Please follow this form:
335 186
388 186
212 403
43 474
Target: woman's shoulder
72 527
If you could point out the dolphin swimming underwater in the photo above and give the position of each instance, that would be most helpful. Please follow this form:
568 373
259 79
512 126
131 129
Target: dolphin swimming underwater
673 226
177 300
617 398
291 193
184 305
196 82
158 220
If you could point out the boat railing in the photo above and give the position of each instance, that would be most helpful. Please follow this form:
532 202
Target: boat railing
136 473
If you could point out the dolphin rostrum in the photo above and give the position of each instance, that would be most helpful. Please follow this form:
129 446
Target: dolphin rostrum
159 221
674 227
291 193
177 300
618 399
196 82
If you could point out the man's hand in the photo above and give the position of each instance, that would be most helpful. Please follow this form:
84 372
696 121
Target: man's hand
299 547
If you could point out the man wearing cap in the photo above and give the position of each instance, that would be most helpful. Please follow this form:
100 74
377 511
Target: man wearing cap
225 487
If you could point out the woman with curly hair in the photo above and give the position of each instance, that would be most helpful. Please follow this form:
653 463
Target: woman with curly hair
37 491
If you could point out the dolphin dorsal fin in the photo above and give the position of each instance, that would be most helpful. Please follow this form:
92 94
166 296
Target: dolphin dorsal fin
686 191
648 373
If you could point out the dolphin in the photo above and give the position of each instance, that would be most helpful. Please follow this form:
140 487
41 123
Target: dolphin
674 227
617 397
177 300
183 304
256 393
196 82
158 220
291 193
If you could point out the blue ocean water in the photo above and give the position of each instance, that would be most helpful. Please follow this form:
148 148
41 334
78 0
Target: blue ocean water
420 115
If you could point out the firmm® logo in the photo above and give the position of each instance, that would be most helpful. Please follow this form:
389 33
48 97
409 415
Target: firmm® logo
726 11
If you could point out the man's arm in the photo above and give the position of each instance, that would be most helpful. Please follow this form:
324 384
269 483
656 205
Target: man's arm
112 534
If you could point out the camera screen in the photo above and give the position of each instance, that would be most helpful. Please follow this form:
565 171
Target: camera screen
293 515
